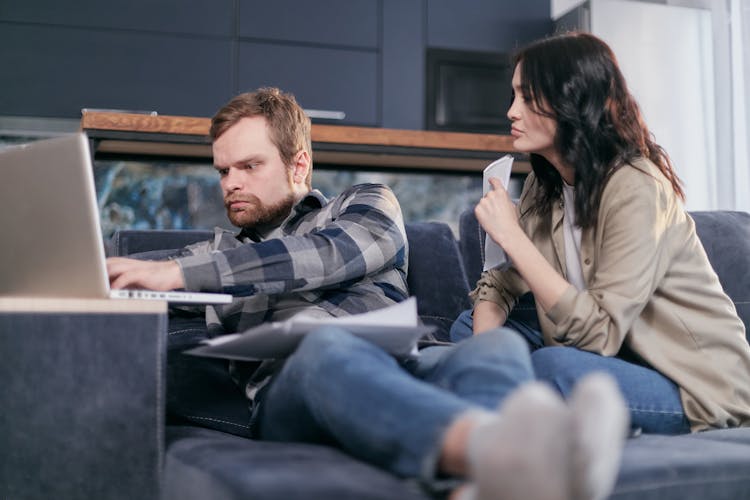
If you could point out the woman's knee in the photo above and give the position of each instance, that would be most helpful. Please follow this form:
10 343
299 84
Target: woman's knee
552 358
559 366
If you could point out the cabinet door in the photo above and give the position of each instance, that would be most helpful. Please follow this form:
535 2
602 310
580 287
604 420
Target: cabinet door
321 78
56 71
345 23
197 17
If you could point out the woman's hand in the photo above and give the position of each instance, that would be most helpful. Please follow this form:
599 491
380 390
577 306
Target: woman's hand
497 215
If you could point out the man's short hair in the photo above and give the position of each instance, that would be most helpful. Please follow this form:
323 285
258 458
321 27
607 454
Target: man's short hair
289 126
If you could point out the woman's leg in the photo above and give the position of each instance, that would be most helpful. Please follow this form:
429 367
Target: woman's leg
463 327
653 400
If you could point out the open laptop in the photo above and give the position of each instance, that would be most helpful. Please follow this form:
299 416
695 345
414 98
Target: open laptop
51 243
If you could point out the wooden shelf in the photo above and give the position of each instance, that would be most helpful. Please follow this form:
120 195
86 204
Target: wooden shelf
125 134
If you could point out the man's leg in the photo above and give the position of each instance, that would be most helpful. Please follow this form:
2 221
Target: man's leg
652 399
483 369
339 388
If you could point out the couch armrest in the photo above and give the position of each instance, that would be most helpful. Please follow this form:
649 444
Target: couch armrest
82 399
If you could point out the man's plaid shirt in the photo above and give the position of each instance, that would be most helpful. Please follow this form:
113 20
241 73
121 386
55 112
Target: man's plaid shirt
346 256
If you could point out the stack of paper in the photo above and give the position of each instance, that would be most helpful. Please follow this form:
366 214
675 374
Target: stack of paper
395 329
494 255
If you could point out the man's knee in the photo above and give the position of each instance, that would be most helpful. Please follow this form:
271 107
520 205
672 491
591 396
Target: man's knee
319 353
329 347
501 347
323 343
501 341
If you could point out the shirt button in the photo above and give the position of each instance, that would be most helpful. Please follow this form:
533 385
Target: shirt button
587 262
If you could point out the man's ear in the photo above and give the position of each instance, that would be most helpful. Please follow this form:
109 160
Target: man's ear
301 167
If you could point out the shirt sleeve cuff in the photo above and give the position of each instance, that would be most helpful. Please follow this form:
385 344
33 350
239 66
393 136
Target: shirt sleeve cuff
490 294
564 306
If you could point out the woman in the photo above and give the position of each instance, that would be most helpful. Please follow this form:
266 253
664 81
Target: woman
601 238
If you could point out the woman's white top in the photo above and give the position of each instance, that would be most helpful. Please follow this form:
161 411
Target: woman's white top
572 235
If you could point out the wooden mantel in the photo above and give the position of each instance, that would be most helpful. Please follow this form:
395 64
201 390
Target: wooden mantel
129 134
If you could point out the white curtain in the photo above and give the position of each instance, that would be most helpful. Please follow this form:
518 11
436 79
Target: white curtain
666 55
739 16
688 64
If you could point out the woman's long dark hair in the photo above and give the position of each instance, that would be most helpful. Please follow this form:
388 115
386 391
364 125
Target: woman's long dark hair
574 79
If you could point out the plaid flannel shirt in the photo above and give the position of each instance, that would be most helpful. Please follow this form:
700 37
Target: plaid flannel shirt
345 256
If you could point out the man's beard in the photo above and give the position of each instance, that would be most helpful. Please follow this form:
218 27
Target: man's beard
257 214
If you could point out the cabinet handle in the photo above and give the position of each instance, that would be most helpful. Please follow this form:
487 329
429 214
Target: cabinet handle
325 114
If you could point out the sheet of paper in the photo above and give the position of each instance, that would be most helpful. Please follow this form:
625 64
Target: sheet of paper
401 314
494 255
395 329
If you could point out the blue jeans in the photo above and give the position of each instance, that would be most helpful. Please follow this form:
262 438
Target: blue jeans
339 389
653 399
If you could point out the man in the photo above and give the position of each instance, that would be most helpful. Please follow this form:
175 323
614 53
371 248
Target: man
423 417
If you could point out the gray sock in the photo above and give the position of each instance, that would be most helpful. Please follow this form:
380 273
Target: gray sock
523 453
600 423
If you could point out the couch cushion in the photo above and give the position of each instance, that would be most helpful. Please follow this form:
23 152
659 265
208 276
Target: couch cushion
132 241
201 391
471 243
202 464
735 435
726 237
436 275
713 464
207 464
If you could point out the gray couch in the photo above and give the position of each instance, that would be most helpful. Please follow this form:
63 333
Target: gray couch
208 455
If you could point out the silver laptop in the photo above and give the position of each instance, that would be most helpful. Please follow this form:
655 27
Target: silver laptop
51 244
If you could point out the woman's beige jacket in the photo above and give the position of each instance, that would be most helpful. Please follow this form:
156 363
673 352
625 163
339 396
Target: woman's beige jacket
650 287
